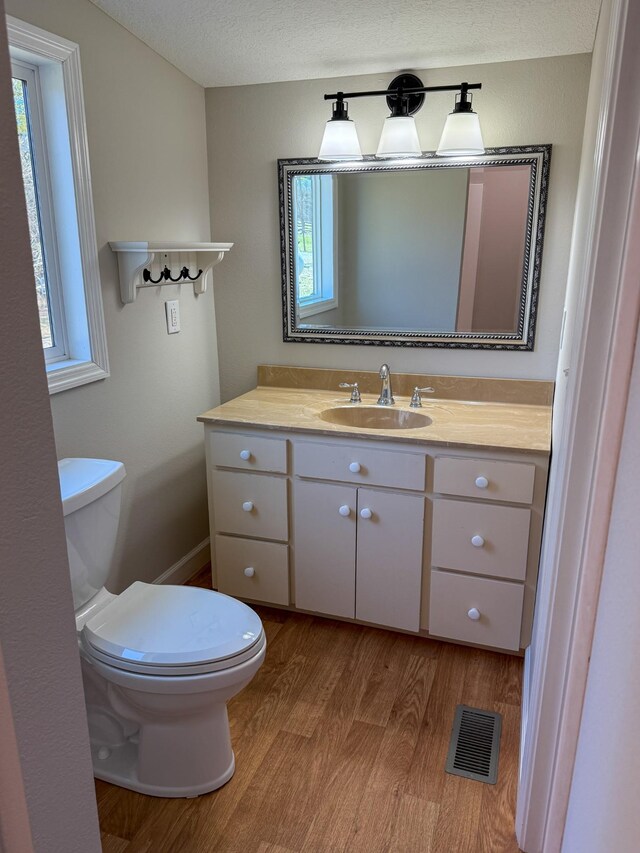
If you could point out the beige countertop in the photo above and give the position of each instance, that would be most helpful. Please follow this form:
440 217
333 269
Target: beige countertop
455 423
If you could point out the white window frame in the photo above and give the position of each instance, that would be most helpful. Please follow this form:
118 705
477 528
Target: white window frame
63 178
325 266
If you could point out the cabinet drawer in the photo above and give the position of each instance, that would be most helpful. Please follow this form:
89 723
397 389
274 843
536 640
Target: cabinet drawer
250 505
481 538
488 479
255 570
498 605
361 465
228 450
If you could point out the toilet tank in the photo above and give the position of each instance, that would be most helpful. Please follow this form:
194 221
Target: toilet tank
91 493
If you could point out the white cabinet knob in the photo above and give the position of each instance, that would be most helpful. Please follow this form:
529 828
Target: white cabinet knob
249 572
247 506
477 541
482 482
245 454
354 467
344 511
365 512
473 614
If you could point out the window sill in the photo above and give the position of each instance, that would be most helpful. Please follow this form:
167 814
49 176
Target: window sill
63 375
318 307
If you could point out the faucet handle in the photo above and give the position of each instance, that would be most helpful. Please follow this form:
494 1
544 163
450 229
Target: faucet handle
355 392
416 399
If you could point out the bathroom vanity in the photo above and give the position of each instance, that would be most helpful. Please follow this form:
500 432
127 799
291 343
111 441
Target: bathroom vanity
432 529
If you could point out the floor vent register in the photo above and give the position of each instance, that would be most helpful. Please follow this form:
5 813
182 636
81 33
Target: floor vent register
475 744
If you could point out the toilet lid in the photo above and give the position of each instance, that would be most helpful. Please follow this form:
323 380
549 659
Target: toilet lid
173 626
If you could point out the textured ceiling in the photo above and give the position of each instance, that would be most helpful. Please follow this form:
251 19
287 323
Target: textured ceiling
235 42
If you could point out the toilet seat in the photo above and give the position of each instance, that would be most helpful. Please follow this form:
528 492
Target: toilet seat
172 631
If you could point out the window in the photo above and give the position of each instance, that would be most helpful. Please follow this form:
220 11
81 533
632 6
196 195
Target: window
47 93
315 206
39 210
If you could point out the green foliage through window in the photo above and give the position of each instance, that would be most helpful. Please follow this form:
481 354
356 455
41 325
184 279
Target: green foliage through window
31 197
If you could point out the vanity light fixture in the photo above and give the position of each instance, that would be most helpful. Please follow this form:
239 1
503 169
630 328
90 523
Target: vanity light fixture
461 135
399 139
340 140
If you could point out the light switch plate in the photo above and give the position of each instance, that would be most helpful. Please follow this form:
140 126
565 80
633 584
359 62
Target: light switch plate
172 307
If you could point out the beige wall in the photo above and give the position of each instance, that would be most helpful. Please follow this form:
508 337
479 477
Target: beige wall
249 127
147 146
47 800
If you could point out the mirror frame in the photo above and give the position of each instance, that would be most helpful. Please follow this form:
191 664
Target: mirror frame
538 156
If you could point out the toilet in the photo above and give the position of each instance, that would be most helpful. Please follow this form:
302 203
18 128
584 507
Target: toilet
159 662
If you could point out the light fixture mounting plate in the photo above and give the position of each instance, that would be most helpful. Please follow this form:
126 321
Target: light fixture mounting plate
407 81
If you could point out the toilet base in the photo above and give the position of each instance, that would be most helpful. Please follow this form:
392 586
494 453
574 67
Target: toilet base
165 736
119 768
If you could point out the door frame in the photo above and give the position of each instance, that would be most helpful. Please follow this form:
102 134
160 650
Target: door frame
594 370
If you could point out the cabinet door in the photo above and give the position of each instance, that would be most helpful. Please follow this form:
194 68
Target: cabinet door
324 523
389 558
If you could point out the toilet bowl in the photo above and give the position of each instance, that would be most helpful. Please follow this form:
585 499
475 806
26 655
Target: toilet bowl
159 662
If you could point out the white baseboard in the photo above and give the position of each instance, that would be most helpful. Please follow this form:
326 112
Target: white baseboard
185 568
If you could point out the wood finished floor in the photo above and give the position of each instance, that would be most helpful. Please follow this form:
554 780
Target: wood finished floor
340 743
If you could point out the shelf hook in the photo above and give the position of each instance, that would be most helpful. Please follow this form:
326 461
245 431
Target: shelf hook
146 276
169 277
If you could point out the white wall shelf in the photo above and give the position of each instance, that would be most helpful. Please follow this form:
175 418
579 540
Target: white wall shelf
134 258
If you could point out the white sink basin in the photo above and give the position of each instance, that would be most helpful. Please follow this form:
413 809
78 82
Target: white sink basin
375 417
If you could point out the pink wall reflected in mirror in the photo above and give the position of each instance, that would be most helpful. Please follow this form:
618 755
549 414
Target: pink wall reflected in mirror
494 243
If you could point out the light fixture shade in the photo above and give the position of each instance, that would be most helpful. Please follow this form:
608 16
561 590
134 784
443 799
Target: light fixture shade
399 138
340 141
461 135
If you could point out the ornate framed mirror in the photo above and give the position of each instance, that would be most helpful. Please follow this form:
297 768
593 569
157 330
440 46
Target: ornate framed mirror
429 252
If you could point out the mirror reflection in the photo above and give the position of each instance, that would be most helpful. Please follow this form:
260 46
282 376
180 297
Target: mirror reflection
432 252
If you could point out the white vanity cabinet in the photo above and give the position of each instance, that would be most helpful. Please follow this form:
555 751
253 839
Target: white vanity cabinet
439 541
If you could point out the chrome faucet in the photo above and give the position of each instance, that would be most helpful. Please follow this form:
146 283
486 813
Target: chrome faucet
355 391
416 399
386 393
